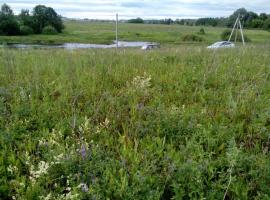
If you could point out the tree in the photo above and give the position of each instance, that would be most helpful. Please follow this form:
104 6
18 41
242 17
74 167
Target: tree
26 23
8 22
245 16
26 19
248 18
263 16
6 10
45 16
257 23
54 20
207 22
136 21
239 12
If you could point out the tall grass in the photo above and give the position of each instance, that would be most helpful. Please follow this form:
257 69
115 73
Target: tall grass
178 123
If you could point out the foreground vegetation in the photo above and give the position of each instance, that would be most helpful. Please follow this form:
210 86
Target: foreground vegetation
178 123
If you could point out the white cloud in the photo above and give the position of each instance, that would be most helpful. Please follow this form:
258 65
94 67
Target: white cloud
105 9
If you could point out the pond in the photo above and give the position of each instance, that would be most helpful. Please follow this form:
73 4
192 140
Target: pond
71 46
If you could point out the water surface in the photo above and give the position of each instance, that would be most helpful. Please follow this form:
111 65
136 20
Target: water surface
121 44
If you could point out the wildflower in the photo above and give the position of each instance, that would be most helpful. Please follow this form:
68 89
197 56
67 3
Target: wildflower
85 126
42 169
83 151
12 169
83 187
141 82
68 196
48 197
58 159
105 124
42 142
27 158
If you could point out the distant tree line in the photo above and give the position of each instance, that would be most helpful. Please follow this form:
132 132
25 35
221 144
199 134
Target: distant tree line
163 21
248 18
41 20
136 21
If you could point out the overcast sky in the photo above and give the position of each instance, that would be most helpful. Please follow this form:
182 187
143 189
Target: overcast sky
148 9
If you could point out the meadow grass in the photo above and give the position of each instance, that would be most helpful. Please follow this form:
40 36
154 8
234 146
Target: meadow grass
104 33
174 123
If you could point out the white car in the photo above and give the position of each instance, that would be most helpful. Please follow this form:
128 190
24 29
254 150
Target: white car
222 44
150 46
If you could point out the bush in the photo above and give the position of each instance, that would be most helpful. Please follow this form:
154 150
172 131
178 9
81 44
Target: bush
49 30
201 32
9 26
26 30
225 35
266 25
192 38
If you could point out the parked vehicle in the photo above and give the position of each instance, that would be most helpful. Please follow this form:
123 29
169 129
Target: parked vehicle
222 44
150 46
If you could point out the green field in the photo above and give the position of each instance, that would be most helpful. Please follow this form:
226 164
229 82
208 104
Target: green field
104 33
180 122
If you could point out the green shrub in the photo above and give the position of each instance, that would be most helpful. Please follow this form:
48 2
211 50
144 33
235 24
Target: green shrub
225 35
9 26
201 32
26 30
49 30
192 38
266 25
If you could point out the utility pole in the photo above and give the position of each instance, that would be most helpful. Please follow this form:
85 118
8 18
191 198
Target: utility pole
241 29
116 31
237 25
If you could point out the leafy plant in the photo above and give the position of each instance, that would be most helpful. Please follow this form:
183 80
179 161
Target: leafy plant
192 38
49 30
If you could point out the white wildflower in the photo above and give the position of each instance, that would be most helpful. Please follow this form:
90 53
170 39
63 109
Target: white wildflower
58 159
12 169
83 187
48 197
42 142
68 196
105 124
85 126
22 184
23 94
27 158
42 169
71 196
141 82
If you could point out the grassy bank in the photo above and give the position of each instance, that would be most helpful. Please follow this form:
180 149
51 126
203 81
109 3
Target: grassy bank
180 123
104 33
